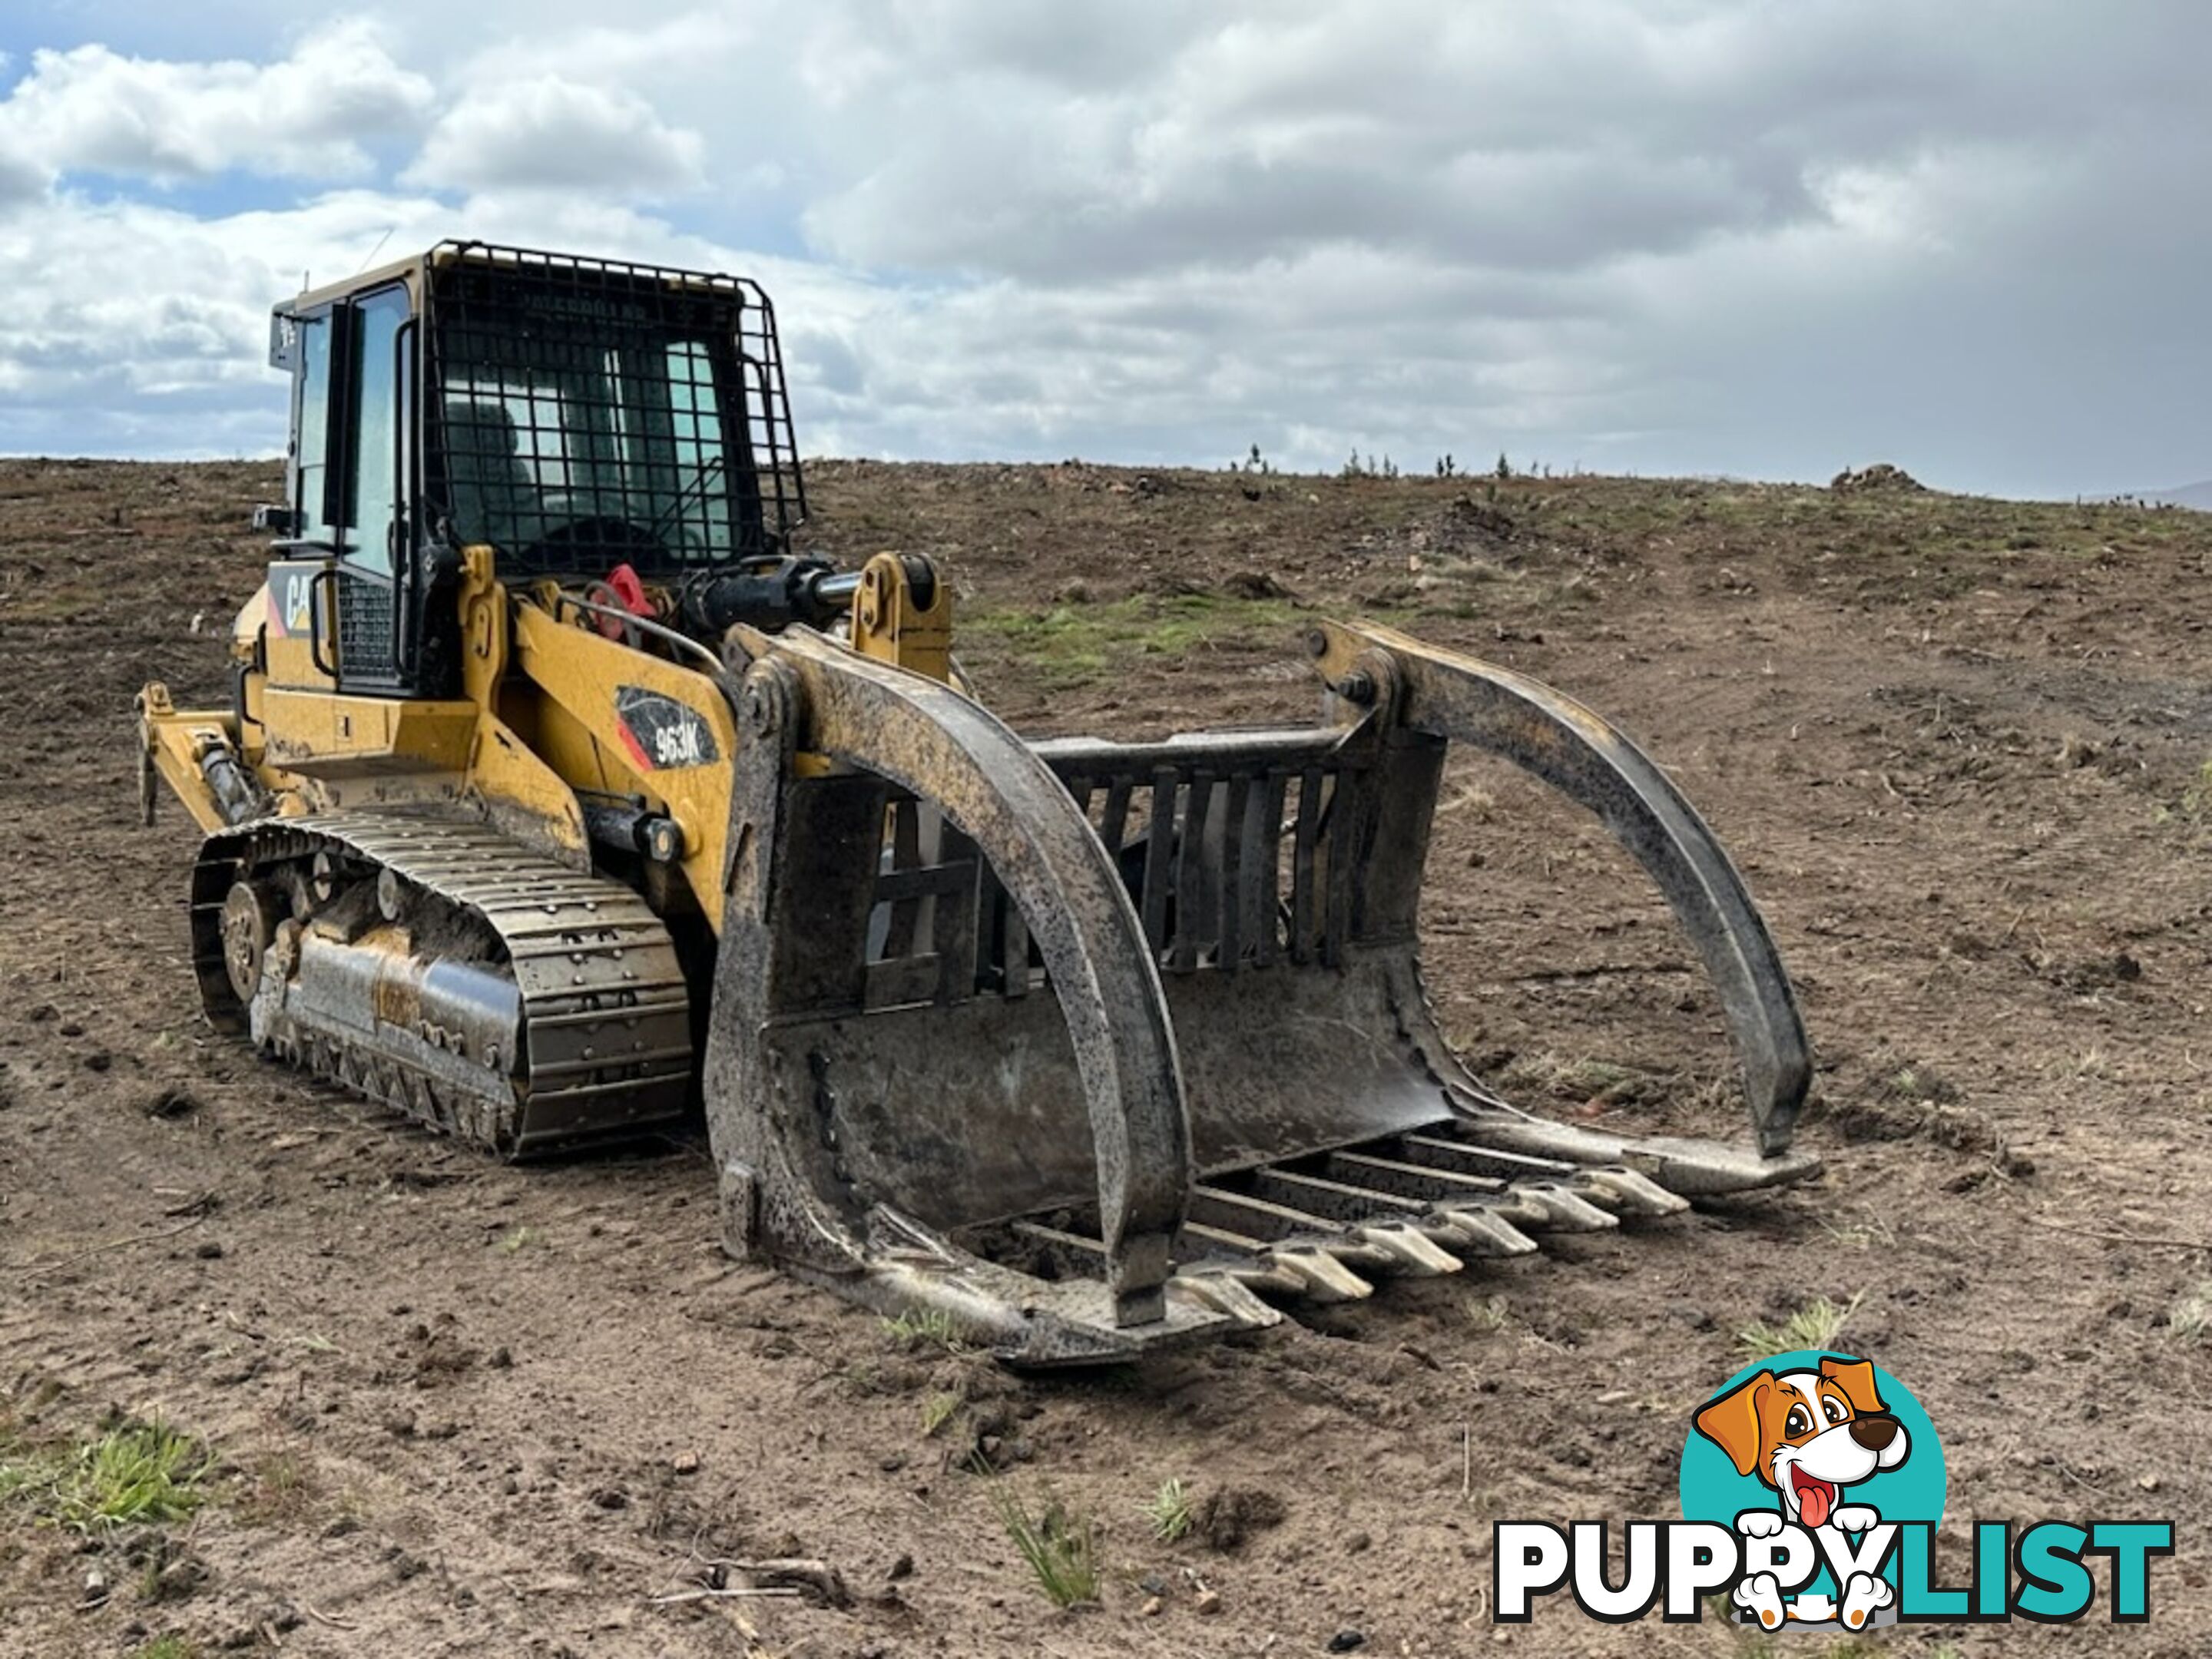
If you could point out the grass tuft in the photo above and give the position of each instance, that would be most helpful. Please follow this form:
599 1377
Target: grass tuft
1062 1548
279 1489
1071 644
1168 1511
1864 1234
2196 804
1489 1313
519 1239
1920 1084
1816 1325
133 1472
2190 1320
1586 1082
928 1328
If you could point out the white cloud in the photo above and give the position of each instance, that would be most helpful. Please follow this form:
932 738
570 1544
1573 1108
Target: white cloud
94 110
689 48
1698 234
165 350
156 340
21 179
1548 137
553 133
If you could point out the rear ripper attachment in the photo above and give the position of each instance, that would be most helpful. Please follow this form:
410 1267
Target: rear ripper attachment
1098 1047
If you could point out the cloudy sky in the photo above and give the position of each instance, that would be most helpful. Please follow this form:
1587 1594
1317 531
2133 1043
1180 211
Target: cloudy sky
1768 237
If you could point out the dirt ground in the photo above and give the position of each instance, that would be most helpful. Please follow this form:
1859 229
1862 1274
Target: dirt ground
1958 747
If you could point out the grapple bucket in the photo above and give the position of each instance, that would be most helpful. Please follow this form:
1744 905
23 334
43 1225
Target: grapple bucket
1098 1047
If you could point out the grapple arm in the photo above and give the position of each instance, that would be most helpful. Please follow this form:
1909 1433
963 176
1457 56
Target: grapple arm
1590 761
1089 1044
874 722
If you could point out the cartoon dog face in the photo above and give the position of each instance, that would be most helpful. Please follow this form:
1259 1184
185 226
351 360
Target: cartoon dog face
1808 1434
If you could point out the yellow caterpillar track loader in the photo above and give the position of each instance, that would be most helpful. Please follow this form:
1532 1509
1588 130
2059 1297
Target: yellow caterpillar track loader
558 800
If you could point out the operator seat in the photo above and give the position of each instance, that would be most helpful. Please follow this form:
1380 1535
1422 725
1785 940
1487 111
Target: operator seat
492 493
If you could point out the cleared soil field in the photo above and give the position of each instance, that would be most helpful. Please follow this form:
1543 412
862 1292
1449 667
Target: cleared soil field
1958 747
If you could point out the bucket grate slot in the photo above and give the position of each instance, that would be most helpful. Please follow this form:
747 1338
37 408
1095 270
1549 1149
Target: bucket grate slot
923 944
1437 1152
1409 1180
1263 1218
1340 1201
1233 861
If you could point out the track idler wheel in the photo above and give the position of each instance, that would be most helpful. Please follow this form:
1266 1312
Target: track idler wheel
251 913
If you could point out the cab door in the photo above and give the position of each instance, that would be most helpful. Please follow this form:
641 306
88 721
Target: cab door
369 490
341 585
298 634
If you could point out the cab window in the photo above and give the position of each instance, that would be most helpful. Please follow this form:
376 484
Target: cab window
374 489
311 421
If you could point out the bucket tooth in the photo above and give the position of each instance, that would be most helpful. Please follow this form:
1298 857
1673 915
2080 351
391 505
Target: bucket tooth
1410 1250
1566 1210
1252 1263
1612 1187
1300 1267
1592 1192
1259 1275
1321 1277
1484 1230
1635 1193
1027 1322
1226 1294
1523 1210
1318 1246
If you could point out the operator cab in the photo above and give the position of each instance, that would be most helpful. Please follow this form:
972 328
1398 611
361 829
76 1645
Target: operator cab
574 415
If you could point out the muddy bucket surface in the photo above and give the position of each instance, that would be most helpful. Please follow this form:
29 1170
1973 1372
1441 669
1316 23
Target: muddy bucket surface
1095 1043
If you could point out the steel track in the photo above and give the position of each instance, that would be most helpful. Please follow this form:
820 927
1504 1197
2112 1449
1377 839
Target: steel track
604 1045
